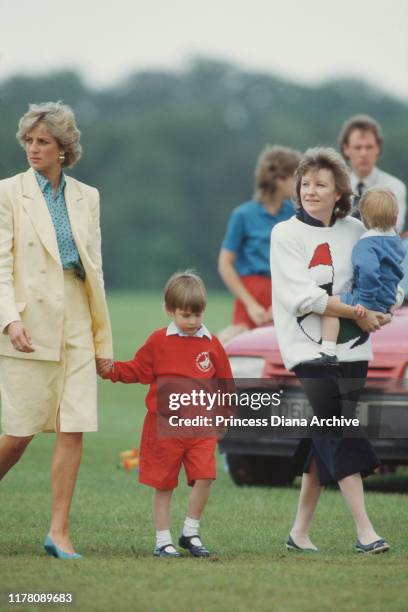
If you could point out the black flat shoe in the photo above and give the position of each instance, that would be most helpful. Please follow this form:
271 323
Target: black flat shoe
379 546
196 551
160 551
323 360
291 545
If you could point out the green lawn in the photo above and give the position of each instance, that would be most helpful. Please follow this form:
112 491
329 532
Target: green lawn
244 527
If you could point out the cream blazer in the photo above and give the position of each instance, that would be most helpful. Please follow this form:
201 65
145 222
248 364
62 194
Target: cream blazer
31 274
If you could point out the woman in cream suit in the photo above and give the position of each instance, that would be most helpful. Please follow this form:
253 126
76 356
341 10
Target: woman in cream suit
53 313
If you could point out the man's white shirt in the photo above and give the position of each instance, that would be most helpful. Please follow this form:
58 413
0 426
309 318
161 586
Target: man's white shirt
378 178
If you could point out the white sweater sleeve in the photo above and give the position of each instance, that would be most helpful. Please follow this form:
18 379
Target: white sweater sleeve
401 195
291 282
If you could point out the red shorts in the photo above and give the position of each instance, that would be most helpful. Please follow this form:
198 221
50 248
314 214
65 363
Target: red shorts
161 458
261 288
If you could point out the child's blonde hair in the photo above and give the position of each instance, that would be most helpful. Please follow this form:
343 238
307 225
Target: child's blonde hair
185 290
379 208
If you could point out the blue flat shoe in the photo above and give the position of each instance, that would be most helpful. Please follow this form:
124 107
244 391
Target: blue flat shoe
167 551
53 551
291 545
378 546
197 550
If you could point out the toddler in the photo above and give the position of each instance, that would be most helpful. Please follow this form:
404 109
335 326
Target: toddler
377 260
185 349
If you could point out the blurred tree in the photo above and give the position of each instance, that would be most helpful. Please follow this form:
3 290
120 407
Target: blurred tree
173 152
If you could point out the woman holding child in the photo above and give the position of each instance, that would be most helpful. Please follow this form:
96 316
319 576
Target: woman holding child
311 256
53 314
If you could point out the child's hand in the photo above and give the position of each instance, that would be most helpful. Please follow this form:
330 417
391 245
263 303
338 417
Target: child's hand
384 318
103 366
360 311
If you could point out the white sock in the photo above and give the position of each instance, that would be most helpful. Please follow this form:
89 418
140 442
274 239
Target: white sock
329 348
163 538
190 528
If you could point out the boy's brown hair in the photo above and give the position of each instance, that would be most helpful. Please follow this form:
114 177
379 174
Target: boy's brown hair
379 208
185 290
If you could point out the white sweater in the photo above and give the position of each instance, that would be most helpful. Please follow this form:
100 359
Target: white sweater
308 264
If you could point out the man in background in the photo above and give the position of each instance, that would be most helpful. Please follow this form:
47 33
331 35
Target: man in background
360 142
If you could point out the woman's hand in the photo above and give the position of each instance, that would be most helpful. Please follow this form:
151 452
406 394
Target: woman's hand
257 313
20 337
373 321
103 366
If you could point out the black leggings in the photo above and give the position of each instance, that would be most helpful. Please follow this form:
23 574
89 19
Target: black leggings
335 392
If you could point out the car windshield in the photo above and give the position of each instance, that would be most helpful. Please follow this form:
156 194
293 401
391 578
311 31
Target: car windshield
404 282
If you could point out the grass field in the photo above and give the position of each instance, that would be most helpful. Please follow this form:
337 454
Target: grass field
244 527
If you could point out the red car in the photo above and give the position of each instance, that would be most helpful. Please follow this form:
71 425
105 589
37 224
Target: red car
260 457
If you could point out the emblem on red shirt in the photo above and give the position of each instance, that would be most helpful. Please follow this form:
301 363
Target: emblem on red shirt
203 361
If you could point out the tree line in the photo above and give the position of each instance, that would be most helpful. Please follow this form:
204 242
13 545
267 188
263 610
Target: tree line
173 152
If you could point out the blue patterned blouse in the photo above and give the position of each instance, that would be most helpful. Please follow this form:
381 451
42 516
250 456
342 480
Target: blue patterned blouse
58 210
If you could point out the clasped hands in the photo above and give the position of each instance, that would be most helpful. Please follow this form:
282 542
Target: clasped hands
258 314
370 320
103 366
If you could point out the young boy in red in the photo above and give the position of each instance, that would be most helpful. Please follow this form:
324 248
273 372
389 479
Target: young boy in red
184 349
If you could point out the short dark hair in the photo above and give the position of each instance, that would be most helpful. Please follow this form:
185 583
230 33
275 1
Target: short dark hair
327 158
185 290
364 123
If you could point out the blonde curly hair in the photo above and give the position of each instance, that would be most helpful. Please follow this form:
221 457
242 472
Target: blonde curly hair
59 119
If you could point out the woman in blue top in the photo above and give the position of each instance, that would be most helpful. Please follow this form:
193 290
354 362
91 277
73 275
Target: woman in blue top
243 262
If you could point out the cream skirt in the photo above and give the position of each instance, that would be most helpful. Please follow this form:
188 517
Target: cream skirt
33 392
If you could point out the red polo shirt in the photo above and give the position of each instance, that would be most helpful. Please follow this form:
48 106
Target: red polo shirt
170 356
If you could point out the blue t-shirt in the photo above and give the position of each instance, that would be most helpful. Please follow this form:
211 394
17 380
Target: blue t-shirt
248 235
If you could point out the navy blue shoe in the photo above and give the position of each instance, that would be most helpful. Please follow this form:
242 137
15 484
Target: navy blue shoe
53 551
378 546
323 360
291 545
168 551
196 550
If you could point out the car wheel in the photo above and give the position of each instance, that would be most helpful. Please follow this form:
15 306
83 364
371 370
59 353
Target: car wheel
260 470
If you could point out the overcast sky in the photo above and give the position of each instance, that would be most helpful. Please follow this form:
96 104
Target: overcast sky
302 40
